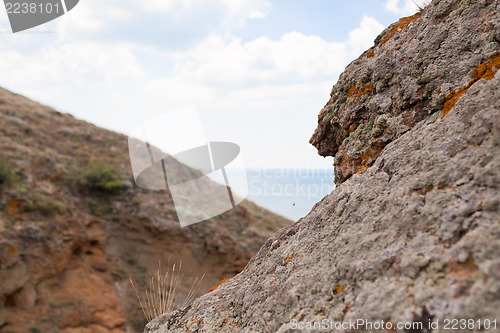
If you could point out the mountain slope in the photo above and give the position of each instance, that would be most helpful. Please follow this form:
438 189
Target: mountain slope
73 228
411 233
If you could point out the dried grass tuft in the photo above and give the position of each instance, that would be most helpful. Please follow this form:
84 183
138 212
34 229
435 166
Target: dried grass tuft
162 294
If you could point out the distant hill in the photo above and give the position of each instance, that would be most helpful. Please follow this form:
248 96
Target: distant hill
74 227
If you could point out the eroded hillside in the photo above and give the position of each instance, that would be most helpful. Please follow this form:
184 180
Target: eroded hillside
74 228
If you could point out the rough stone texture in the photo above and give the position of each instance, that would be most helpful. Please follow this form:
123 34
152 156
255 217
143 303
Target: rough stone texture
418 66
415 235
66 256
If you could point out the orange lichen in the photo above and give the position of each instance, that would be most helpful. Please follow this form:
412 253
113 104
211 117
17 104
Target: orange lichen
399 26
446 187
352 90
370 54
14 207
452 99
11 249
218 284
355 92
287 259
338 289
486 70
366 158
361 170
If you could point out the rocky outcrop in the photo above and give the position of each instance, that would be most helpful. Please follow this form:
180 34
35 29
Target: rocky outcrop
419 66
411 235
67 252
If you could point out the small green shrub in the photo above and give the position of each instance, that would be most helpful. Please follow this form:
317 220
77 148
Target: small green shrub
35 330
94 210
118 274
131 260
96 177
45 205
7 175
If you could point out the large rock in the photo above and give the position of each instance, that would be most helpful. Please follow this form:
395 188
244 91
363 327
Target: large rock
420 65
413 235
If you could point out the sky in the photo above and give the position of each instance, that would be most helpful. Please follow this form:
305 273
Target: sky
257 71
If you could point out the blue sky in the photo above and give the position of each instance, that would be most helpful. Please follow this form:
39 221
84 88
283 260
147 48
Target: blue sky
258 71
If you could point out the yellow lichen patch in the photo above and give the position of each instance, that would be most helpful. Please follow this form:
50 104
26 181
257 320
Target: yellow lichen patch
11 249
287 259
370 54
366 158
218 284
338 289
14 207
399 26
486 70
361 170
355 92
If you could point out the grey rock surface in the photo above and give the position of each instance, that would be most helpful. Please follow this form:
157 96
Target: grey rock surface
417 67
413 237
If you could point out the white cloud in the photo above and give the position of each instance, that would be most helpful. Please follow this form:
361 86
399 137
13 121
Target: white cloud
250 86
295 55
363 36
246 8
92 16
408 7
240 10
52 72
149 20
235 11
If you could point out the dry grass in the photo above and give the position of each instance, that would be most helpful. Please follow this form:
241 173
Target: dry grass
162 295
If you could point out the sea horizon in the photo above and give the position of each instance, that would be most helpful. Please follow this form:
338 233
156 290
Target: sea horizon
290 192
